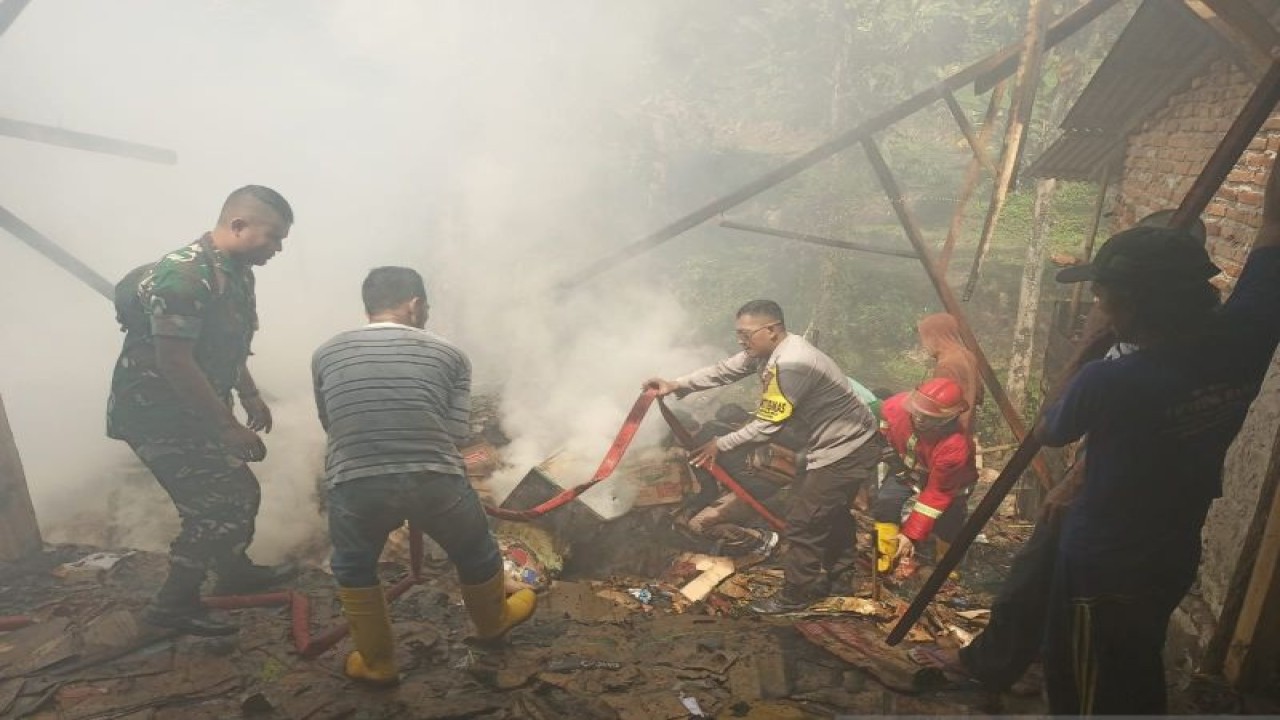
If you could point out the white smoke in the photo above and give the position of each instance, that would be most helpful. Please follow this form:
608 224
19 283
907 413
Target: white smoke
480 144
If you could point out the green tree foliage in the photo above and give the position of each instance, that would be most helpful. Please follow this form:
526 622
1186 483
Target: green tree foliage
739 88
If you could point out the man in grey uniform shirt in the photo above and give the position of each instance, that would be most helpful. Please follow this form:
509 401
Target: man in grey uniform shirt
395 401
799 384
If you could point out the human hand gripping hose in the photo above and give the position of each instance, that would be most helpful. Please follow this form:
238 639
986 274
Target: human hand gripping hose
717 472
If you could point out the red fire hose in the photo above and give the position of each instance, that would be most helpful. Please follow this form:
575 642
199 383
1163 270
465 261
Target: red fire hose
718 472
614 456
309 646
610 462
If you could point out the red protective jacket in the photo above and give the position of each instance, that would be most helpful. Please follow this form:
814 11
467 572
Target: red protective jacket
948 462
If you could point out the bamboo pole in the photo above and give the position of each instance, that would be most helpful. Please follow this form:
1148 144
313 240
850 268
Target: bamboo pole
995 65
54 252
972 175
1099 205
816 240
9 11
1025 83
50 135
1259 618
949 301
19 532
978 147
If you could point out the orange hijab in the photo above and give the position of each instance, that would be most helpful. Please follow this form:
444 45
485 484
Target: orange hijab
940 336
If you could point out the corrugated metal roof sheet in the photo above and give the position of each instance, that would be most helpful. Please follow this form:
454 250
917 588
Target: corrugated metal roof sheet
1160 50
1080 155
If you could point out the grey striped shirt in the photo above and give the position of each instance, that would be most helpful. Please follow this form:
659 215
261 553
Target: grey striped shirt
393 399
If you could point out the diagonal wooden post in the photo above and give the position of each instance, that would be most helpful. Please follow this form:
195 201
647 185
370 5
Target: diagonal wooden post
19 532
817 240
976 143
972 175
1025 83
996 66
949 301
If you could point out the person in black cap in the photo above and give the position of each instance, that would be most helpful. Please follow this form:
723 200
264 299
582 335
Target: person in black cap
1158 422
1014 636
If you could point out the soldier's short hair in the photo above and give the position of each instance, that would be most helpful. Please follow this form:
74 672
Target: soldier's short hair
390 287
249 195
762 308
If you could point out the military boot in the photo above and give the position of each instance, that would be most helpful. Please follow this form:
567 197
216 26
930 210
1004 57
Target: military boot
177 606
240 576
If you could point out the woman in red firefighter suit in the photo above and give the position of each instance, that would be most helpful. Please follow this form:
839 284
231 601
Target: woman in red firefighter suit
934 456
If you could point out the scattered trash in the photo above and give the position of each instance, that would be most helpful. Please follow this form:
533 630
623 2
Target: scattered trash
90 567
691 704
529 554
964 636
573 664
644 595
624 599
856 605
981 539
973 614
713 570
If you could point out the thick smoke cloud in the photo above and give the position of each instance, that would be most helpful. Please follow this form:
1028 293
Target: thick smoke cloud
486 145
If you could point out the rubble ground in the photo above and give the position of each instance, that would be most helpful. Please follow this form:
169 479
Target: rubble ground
593 650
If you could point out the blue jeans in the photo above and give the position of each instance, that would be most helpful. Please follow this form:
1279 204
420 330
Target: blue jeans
363 512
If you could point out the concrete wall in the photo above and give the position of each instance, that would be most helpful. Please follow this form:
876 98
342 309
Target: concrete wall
1162 159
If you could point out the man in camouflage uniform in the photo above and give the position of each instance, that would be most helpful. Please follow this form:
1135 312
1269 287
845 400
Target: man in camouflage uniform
189 320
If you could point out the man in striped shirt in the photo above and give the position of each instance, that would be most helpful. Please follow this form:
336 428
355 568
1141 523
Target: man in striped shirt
395 400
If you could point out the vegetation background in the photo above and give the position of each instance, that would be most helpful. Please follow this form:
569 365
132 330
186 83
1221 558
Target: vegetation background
760 83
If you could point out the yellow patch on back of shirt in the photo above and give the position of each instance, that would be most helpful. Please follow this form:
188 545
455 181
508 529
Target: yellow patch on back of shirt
774 406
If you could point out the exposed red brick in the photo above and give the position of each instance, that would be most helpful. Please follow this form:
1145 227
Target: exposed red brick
1250 197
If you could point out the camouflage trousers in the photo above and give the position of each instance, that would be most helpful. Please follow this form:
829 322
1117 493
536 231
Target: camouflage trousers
216 494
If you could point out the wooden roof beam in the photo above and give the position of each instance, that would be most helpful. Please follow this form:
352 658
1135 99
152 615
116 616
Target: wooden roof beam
1252 39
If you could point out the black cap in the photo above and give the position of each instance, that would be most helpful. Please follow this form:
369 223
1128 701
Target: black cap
1146 256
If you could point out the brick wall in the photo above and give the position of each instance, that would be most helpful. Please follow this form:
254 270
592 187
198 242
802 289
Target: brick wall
1162 159
1167 152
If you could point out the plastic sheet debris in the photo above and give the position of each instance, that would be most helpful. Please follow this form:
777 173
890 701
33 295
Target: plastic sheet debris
690 703
644 595
90 567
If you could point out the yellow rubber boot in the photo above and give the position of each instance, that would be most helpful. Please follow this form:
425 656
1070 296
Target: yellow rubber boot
492 612
374 658
887 545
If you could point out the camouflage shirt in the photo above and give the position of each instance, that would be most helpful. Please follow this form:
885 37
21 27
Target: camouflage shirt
197 293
